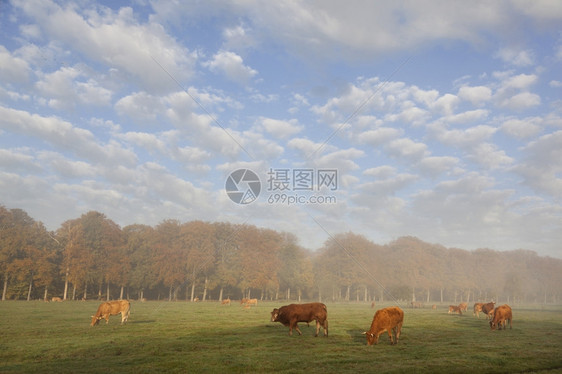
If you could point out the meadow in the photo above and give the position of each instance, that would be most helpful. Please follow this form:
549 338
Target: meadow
181 337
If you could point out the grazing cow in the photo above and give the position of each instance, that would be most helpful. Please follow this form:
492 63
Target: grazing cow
225 301
388 319
454 309
477 309
56 299
291 315
253 302
416 304
244 301
373 305
463 307
501 314
434 306
112 308
488 309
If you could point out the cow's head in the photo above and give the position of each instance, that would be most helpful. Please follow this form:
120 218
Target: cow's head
95 320
274 315
492 325
371 338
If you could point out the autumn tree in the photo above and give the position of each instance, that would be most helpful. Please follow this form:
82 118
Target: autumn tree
259 259
140 240
227 271
198 241
169 256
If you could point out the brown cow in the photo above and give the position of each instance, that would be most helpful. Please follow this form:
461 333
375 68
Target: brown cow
252 302
501 314
454 309
244 301
291 315
388 319
416 304
477 309
463 307
56 299
112 308
225 301
488 309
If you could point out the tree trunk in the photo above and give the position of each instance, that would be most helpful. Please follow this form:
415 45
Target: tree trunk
205 289
413 294
46 293
121 294
107 297
427 296
170 294
192 291
6 288
299 292
74 292
65 285
441 296
220 294
366 294
29 291
85 291
288 293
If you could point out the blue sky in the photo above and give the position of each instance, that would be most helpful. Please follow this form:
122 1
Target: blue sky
442 119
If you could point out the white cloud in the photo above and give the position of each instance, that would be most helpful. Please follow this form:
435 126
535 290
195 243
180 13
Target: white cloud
521 101
476 95
12 69
407 148
436 165
232 66
145 51
516 57
521 128
541 168
281 129
379 136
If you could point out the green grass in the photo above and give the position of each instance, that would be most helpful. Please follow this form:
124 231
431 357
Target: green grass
209 338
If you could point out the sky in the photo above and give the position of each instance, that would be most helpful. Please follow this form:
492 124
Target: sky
435 119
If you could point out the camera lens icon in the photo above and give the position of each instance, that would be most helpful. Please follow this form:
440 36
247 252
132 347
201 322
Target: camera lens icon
243 186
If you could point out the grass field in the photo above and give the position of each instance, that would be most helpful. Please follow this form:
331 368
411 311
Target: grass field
209 338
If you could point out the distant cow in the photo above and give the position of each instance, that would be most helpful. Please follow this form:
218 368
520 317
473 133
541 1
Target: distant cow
244 301
454 309
112 308
226 301
291 315
477 309
463 307
434 306
252 302
488 309
56 299
388 319
416 304
501 314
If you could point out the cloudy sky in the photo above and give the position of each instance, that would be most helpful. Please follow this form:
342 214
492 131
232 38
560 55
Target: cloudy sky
437 119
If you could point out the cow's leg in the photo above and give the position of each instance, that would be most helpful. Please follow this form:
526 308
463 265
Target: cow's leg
297 328
390 336
510 323
317 327
325 327
398 330
106 318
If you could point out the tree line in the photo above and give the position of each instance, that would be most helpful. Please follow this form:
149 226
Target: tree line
93 257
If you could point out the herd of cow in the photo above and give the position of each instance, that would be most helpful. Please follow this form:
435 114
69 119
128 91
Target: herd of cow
387 319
